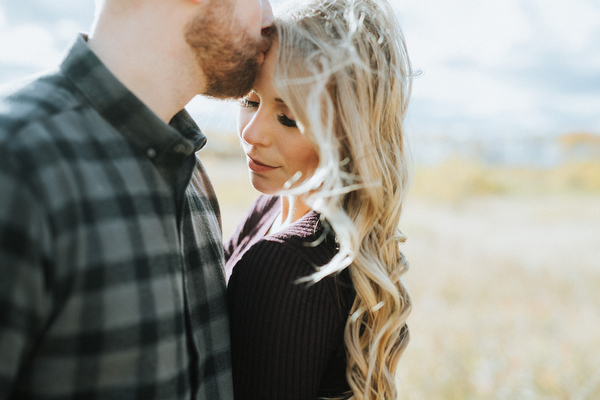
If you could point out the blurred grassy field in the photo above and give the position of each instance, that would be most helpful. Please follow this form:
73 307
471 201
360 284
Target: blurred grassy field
505 278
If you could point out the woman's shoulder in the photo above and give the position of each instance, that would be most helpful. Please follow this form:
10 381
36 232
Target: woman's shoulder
289 255
284 257
271 270
277 255
309 239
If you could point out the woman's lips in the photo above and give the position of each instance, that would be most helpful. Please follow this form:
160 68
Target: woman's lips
257 166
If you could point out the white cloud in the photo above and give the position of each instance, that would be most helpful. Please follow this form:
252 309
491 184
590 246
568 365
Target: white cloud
28 45
35 43
477 57
572 24
65 29
439 30
471 91
520 62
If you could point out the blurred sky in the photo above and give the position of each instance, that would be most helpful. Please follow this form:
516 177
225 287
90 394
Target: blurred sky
488 67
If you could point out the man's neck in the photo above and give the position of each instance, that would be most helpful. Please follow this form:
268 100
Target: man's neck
155 65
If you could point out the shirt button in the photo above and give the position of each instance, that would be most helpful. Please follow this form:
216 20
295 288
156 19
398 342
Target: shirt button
151 153
180 148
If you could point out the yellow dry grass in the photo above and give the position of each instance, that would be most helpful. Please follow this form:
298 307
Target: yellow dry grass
506 298
457 179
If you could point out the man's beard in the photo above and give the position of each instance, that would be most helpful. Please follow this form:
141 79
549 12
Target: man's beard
227 58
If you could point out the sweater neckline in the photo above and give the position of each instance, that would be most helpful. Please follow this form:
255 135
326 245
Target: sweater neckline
303 227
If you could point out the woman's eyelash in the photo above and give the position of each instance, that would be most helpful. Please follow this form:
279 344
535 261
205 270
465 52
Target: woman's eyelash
249 104
284 120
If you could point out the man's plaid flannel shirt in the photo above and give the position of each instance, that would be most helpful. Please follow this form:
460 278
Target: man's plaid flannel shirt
111 262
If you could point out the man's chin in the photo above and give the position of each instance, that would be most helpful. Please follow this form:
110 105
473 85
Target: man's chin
233 83
227 93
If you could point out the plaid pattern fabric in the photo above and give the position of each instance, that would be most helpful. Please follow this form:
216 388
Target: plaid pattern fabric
111 262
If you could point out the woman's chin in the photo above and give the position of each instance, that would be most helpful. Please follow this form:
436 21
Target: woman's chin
263 188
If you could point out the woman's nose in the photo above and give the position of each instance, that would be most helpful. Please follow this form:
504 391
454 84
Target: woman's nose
255 132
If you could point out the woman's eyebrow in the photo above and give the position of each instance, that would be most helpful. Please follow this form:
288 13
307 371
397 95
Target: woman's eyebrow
277 99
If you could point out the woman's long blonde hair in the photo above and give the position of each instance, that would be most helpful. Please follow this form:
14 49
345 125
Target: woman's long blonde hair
344 72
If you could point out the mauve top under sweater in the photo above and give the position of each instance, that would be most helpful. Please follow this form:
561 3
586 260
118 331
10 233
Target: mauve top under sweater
287 338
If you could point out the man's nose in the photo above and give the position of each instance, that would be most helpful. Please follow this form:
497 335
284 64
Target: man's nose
267 15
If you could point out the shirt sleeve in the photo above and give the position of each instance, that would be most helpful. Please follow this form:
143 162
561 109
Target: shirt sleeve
22 278
284 334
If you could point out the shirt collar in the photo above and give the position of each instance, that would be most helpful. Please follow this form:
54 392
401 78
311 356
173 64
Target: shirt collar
125 112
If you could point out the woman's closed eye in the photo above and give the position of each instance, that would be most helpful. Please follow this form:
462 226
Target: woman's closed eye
249 104
281 117
284 120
